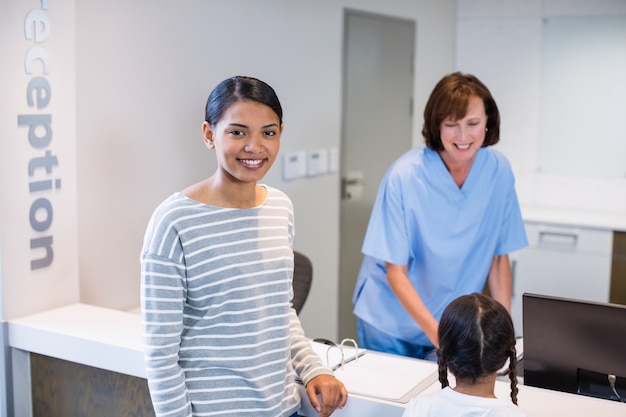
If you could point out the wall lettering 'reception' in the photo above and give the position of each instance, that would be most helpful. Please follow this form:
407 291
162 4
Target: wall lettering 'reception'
37 64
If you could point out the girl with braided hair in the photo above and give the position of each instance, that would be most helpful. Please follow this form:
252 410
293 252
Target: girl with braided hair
476 337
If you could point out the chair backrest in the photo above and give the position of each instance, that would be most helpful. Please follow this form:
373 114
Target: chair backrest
302 278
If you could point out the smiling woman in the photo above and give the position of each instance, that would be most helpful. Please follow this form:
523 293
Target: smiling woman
221 334
444 220
461 138
246 139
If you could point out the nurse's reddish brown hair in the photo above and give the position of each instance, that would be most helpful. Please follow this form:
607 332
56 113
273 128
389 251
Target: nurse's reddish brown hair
450 99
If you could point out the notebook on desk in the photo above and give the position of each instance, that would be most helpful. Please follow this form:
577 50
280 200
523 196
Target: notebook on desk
334 355
377 375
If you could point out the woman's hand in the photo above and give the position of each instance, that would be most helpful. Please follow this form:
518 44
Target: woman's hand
330 390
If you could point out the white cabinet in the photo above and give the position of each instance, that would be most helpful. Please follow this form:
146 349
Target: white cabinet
564 261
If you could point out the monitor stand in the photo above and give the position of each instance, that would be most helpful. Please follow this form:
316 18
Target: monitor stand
596 384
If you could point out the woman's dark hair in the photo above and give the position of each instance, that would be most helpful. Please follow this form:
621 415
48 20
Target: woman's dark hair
476 337
450 98
240 88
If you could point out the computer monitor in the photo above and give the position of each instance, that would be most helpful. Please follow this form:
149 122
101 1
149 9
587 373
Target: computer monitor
574 345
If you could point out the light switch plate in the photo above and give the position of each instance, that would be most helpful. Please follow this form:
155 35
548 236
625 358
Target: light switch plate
317 162
294 165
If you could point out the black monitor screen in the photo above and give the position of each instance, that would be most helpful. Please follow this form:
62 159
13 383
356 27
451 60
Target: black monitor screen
573 346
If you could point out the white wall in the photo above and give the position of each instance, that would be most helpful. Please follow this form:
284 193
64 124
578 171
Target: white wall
37 167
38 230
500 42
144 70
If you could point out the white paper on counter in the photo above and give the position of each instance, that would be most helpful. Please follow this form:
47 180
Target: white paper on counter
387 377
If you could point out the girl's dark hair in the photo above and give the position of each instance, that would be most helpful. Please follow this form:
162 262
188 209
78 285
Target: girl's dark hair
240 88
450 98
476 337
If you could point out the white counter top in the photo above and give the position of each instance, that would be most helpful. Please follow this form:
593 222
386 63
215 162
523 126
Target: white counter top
539 402
609 220
86 334
111 340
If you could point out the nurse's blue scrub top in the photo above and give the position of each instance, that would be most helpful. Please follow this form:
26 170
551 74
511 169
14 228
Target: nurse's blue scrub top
446 235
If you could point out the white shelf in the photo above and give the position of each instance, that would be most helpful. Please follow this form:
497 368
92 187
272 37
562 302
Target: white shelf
609 220
86 334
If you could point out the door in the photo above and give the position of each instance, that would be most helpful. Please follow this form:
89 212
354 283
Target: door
377 129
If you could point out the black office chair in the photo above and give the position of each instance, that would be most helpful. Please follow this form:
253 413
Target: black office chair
302 278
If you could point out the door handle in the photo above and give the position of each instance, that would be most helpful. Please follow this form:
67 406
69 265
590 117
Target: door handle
352 186
353 181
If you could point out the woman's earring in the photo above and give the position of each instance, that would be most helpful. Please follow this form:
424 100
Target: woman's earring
486 129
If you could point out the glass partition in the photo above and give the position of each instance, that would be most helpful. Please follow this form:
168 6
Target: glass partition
583 98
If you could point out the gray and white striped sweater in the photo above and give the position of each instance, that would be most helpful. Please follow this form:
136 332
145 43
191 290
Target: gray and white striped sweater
220 335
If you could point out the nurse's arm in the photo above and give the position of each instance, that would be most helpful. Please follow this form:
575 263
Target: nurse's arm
409 298
500 280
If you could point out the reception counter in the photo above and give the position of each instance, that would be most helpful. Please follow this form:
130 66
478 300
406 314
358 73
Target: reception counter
106 340
86 334
607 220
